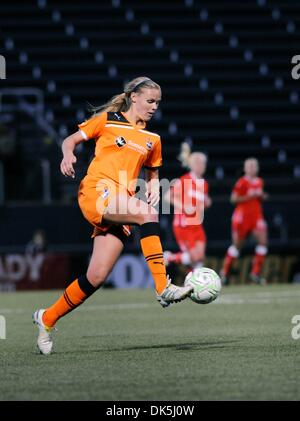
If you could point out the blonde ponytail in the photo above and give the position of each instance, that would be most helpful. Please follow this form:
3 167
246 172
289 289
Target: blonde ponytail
122 102
116 104
184 155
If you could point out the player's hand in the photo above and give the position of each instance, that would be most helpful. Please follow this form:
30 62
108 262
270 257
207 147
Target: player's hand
189 210
207 202
66 166
265 196
255 193
153 197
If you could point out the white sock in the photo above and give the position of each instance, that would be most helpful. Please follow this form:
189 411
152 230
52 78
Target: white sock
197 265
185 258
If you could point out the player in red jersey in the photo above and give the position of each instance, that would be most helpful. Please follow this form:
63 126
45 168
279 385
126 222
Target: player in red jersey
247 196
189 196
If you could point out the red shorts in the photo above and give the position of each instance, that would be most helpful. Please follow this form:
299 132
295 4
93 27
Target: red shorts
187 237
243 225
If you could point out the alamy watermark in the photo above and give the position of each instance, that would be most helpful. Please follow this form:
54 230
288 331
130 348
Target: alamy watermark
296 69
296 329
187 196
2 327
2 67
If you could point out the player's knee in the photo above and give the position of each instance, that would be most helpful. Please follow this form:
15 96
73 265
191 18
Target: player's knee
150 216
234 250
97 276
261 249
197 256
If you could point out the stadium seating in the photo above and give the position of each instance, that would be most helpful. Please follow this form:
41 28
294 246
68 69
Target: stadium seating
225 72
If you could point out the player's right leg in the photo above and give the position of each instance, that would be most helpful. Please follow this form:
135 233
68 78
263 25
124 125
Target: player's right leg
260 233
192 242
183 256
232 255
123 209
106 250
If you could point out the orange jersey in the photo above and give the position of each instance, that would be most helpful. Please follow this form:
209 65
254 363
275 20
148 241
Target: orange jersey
245 186
120 146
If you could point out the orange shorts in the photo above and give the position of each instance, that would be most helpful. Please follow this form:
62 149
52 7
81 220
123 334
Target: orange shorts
243 225
187 237
93 200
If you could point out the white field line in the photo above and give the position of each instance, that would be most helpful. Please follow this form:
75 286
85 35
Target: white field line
232 299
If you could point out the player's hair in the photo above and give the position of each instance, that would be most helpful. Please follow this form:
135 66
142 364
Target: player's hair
122 102
186 154
251 158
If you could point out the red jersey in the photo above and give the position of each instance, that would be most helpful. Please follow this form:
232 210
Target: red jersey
245 186
192 193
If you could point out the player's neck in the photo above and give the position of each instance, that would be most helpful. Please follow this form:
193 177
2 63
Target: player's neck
134 119
250 177
195 176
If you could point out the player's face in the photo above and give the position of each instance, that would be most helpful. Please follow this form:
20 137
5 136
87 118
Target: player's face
251 167
198 164
146 102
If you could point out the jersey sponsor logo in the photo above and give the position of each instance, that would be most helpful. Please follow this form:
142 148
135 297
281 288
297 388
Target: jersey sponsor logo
120 141
149 145
118 117
136 147
105 193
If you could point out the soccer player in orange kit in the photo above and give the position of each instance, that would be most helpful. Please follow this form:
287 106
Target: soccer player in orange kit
106 198
190 189
247 195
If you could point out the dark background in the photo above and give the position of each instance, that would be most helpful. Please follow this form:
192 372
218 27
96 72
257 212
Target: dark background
225 72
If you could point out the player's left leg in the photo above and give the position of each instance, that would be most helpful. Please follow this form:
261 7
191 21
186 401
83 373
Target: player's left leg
197 253
181 257
260 233
192 243
239 231
232 254
107 248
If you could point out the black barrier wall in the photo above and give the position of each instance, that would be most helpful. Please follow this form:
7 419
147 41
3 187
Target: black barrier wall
67 247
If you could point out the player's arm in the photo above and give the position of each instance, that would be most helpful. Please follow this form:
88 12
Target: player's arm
152 186
207 201
236 198
69 159
265 196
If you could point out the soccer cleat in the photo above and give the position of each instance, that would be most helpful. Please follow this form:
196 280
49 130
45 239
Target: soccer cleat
44 341
224 278
173 294
256 279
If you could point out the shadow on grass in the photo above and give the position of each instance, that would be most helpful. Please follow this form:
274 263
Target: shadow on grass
192 346
179 347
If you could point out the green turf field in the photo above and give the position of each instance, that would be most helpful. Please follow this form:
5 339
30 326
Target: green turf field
121 345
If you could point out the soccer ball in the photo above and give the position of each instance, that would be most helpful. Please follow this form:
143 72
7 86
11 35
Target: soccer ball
207 285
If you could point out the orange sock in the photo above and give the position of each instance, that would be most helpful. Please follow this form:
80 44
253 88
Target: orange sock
74 295
153 253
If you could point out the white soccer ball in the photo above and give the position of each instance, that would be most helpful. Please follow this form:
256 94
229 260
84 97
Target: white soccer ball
207 285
